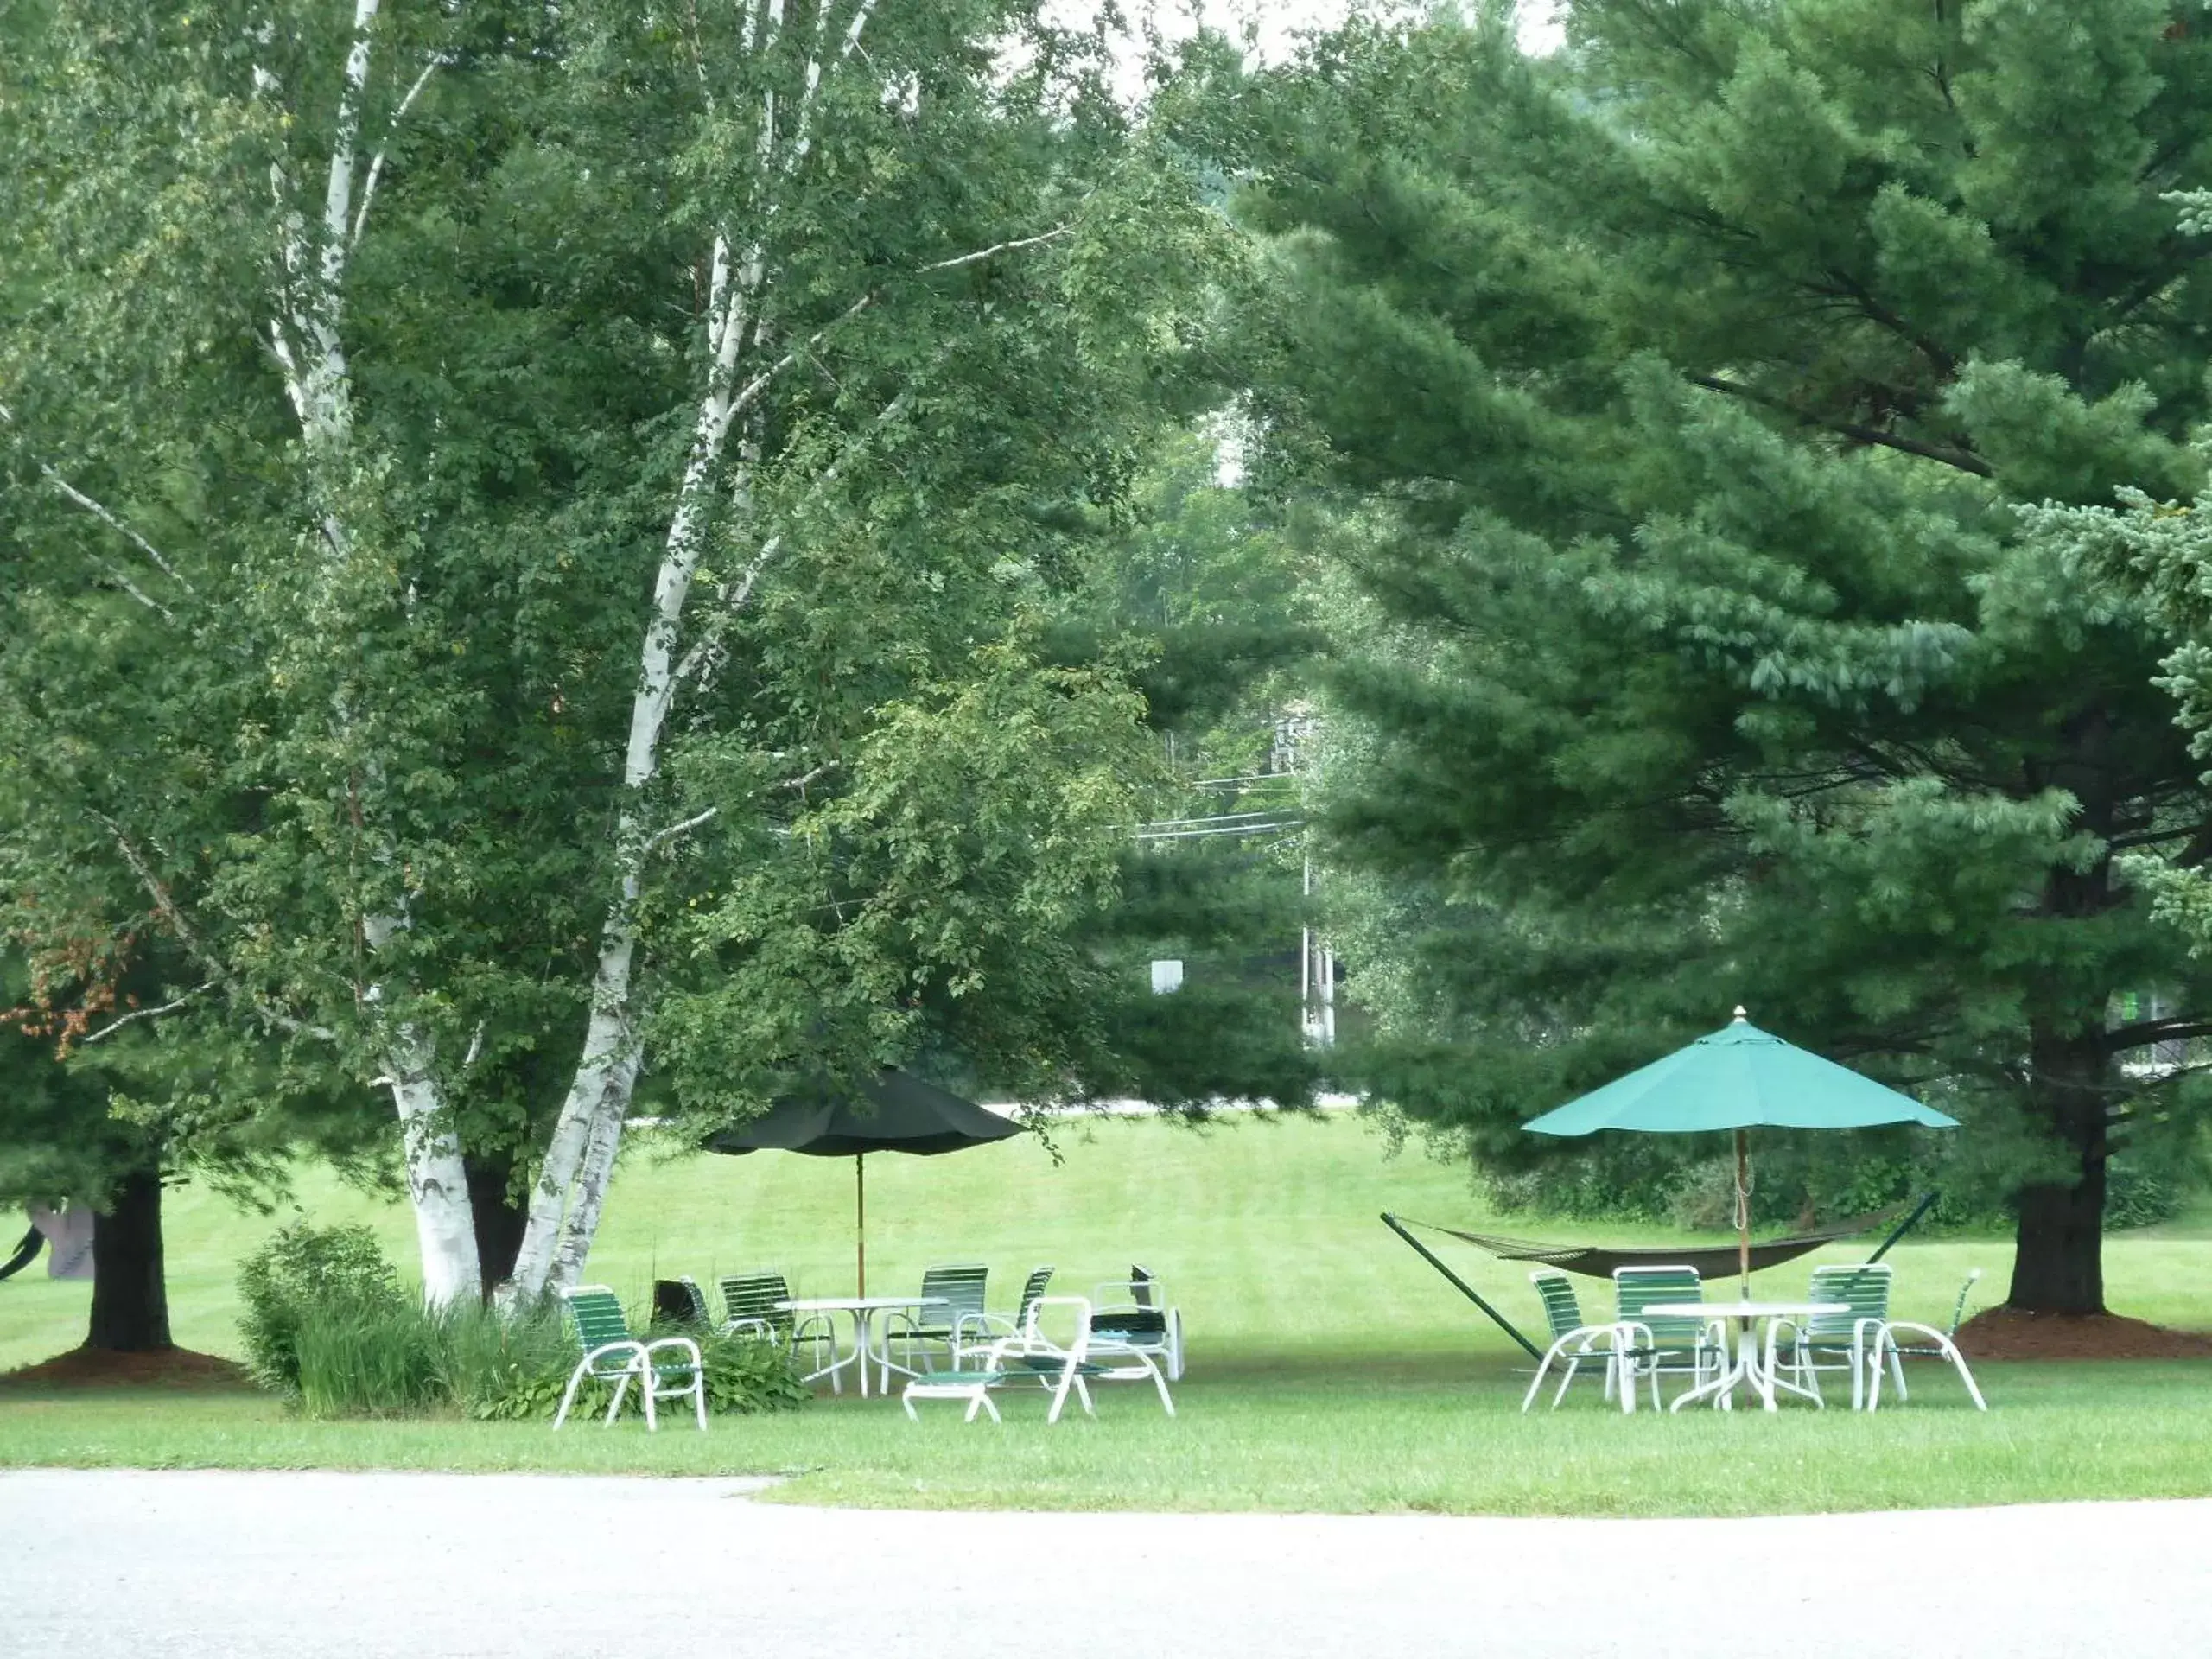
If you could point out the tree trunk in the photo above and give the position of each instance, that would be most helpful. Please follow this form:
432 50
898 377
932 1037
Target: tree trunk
437 1183
2058 1265
130 1299
498 1215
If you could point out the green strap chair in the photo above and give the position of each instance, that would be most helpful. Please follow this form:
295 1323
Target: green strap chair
749 1308
1030 1356
1649 1343
976 1333
1134 1314
611 1354
960 1285
1573 1341
1844 1340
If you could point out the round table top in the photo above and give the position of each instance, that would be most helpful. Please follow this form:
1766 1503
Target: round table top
856 1304
1744 1310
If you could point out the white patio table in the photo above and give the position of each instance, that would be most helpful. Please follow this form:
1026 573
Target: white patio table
1748 1370
863 1310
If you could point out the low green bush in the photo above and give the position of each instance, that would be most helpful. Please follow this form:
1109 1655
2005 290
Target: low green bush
303 1270
328 1323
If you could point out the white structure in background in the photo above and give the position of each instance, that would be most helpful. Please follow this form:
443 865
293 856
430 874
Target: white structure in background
1296 730
1317 978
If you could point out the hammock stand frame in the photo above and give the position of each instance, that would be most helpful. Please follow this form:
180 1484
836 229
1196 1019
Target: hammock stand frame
1767 1254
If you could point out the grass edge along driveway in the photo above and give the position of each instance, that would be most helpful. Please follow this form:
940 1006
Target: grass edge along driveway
1300 1438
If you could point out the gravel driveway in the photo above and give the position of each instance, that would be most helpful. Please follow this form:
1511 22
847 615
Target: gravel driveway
102 1563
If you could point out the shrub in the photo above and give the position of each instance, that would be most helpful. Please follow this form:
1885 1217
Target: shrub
744 1375
328 1322
298 1272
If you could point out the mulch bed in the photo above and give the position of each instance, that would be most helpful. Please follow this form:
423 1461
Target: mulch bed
2011 1334
95 1368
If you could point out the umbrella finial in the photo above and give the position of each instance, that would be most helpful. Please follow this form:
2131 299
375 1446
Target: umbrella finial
1741 1017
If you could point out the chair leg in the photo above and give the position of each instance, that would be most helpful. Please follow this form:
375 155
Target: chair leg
1959 1364
1159 1383
1574 1364
650 1387
699 1397
614 1406
568 1395
1542 1365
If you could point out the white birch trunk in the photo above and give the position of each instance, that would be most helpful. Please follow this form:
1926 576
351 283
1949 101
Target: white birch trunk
565 1206
308 341
596 1174
437 1185
608 1066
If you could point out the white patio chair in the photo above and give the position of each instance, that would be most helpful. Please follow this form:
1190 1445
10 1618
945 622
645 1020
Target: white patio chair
613 1355
1576 1342
1132 1315
1938 1345
1673 1344
1845 1340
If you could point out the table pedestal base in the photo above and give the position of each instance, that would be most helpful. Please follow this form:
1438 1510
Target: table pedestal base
1748 1371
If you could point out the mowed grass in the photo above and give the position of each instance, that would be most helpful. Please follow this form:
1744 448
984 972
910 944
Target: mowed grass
1331 1369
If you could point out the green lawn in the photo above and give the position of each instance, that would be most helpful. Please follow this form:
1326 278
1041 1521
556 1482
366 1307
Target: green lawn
1331 1369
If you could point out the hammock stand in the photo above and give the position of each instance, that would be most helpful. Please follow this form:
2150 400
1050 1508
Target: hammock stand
1599 1262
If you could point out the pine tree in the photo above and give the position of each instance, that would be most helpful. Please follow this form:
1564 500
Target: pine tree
1684 397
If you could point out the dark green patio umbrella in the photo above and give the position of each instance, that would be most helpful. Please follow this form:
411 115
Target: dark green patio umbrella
892 1111
1739 1078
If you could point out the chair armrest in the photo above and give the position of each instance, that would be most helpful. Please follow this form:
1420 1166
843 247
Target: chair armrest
635 1349
689 1347
761 1328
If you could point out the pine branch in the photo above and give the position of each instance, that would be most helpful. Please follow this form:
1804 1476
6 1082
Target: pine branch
1965 460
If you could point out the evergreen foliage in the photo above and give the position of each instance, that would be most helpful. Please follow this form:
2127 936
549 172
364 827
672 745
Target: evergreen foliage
1691 401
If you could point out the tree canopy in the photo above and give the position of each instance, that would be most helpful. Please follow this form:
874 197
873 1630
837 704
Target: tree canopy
534 540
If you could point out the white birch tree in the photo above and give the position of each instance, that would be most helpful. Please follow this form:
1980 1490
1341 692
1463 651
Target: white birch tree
849 310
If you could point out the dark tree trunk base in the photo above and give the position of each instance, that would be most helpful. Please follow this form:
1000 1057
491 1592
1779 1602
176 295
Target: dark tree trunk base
130 1300
499 1219
2059 1267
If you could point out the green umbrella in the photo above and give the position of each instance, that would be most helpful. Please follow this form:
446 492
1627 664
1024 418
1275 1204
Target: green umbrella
1740 1078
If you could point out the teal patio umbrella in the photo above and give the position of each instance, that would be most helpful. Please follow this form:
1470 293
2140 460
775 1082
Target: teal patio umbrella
1740 1078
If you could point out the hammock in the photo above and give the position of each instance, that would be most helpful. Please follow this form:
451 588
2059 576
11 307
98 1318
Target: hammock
1714 1261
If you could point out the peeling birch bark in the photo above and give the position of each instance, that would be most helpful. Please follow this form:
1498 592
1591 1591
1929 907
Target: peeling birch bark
308 343
437 1184
597 1173
608 1064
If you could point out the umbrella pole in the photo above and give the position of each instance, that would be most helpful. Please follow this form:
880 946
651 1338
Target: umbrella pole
1743 1212
859 1218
